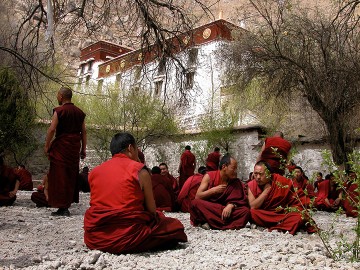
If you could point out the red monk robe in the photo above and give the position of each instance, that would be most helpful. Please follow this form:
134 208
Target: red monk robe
163 193
302 185
275 152
25 178
351 200
117 221
326 196
210 210
212 161
187 166
281 195
9 184
64 155
188 191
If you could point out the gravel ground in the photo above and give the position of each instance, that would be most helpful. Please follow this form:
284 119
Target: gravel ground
32 239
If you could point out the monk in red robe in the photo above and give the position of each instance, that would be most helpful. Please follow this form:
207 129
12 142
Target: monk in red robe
319 179
122 217
269 196
64 152
187 166
275 152
163 191
165 172
302 184
213 159
40 197
189 189
351 195
25 178
9 184
328 197
220 202
84 180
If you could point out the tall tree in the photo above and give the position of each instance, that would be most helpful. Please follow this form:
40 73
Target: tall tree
311 51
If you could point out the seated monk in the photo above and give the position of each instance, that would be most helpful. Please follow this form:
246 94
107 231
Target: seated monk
84 180
163 192
122 217
319 179
165 172
269 195
351 195
302 184
189 189
40 197
25 178
220 202
9 184
328 197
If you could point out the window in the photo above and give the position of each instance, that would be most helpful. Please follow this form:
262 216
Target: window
87 80
162 67
82 68
90 66
117 80
158 87
189 79
192 57
100 86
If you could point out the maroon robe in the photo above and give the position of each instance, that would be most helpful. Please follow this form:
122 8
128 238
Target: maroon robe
117 221
301 186
64 154
163 193
325 192
187 167
210 210
274 158
173 183
272 213
25 179
8 180
39 198
188 191
350 201
212 161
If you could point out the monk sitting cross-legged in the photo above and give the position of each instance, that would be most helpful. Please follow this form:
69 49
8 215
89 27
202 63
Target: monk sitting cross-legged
189 189
122 217
269 196
163 192
220 202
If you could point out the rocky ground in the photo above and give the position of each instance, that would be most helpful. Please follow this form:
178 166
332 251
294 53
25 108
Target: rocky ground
32 239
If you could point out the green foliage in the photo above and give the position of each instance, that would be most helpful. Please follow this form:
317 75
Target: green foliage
345 247
16 118
136 112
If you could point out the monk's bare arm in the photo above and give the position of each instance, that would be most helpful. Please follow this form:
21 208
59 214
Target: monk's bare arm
204 193
50 132
16 188
83 141
256 203
262 150
146 186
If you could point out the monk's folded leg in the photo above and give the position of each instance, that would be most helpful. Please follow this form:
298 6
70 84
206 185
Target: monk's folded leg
39 199
202 212
5 200
166 233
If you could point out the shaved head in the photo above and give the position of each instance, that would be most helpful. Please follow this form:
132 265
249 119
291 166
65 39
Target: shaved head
66 92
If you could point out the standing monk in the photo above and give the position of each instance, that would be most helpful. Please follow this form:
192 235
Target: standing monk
187 165
269 196
64 152
220 202
122 217
275 152
9 184
213 159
